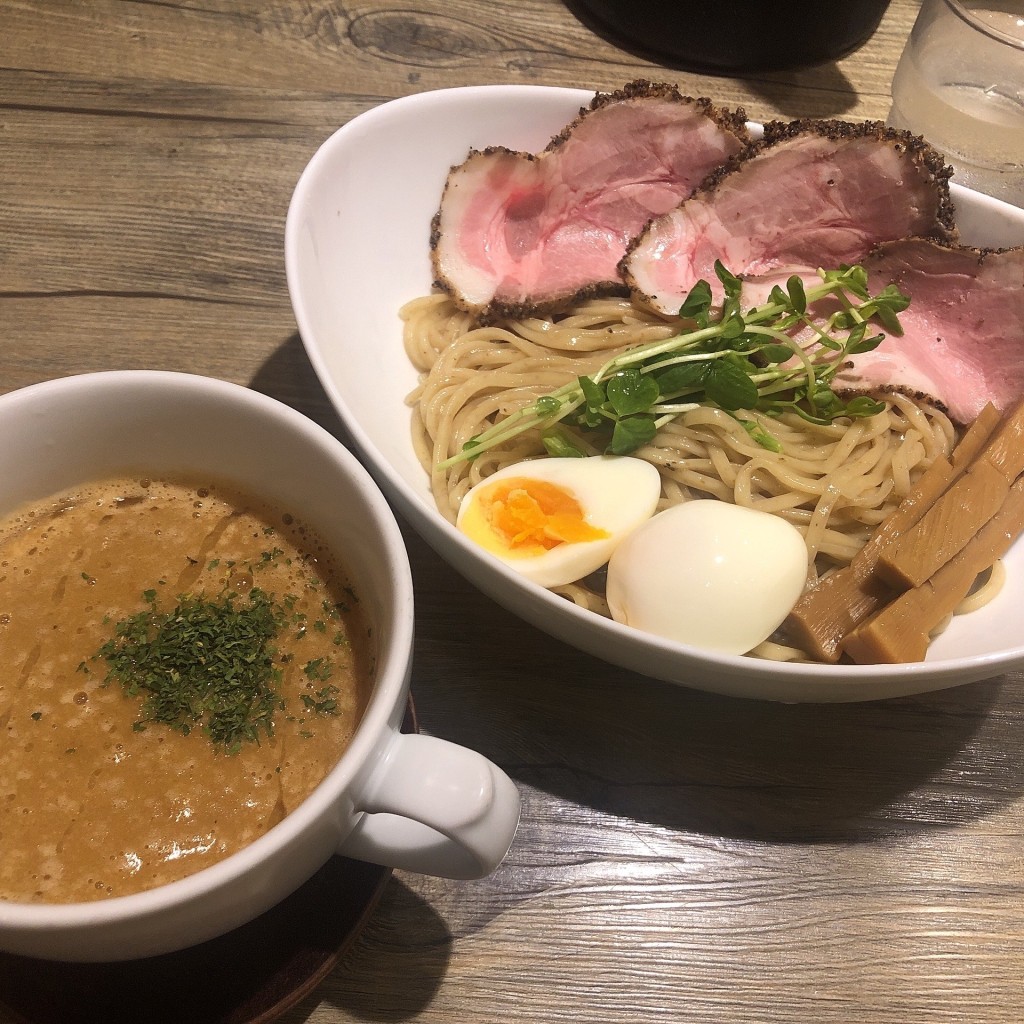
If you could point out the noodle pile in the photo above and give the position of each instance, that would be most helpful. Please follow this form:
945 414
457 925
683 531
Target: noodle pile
835 483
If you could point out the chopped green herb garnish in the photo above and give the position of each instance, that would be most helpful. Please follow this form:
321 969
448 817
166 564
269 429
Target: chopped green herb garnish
323 702
318 668
206 661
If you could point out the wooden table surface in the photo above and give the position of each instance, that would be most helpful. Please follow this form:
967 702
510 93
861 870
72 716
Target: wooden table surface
682 857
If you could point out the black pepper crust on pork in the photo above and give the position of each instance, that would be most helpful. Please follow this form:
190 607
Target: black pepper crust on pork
810 193
962 344
734 121
521 234
923 155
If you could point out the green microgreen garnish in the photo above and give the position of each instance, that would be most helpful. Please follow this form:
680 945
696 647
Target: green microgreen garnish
777 357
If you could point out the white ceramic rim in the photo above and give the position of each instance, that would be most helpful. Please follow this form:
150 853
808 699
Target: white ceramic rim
390 686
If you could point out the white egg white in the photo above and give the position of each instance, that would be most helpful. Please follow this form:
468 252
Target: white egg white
710 574
616 494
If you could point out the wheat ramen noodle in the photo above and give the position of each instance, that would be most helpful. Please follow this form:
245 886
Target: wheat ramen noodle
835 483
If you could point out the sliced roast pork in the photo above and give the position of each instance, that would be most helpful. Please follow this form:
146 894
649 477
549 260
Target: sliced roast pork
519 233
963 332
809 194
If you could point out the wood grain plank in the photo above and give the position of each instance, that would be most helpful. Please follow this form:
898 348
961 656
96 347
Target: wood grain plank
682 857
376 50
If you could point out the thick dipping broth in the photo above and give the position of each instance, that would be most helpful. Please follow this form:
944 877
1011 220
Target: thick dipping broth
114 776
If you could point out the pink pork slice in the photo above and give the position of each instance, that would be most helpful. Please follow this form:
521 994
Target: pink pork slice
520 234
809 194
963 332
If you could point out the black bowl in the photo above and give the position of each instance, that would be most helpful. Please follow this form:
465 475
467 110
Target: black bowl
729 37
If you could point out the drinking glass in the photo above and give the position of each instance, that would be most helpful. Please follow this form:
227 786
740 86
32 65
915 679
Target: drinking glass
960 84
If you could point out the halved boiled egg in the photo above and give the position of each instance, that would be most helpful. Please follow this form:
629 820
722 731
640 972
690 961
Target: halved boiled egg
710 574
558 520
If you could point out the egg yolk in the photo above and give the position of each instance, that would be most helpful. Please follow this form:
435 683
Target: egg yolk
525 515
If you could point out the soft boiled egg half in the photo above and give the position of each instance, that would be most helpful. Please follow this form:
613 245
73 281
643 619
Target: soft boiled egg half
558 520
710 574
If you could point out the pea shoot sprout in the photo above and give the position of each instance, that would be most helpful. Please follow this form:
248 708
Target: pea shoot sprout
779 356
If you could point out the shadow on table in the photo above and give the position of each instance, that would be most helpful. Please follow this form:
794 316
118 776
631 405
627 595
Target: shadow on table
395 968
626 745
288 376
787 91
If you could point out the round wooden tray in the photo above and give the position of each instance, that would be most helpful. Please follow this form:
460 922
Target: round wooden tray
248 976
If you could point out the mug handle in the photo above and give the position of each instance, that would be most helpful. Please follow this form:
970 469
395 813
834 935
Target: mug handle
435 808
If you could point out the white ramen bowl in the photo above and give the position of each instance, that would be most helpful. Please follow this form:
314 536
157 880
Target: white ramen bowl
356 249
405 801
